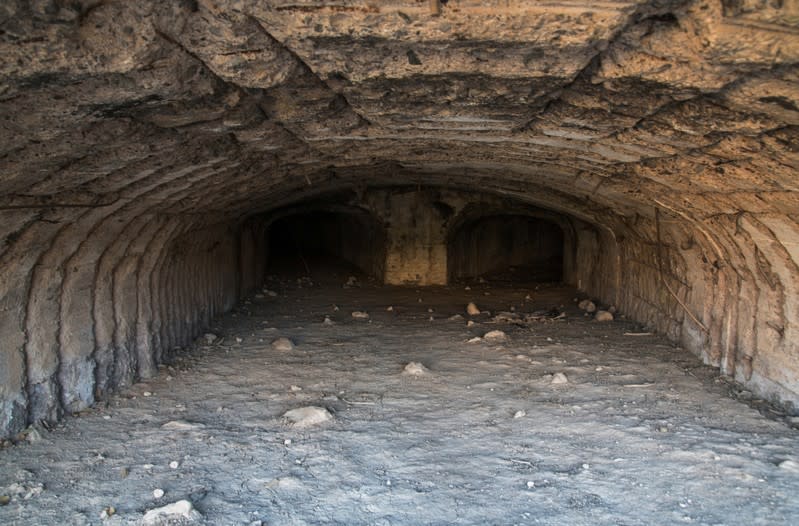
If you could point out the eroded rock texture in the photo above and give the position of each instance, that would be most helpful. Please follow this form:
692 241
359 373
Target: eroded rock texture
142 140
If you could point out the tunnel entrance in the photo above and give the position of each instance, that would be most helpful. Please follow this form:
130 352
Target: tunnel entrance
506 247
322 241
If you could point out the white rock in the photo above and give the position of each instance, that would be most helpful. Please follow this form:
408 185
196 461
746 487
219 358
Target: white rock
307 416
238 340
559 378
389 308
210 337
158 493
181 510
415 369
495 336
587 305
530 484
174 464
360 315
282 344
476 339
181 425
789 465
471 309
470 323
603 315
520 414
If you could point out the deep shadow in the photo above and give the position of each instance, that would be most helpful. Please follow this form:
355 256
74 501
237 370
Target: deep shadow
508 248
313 242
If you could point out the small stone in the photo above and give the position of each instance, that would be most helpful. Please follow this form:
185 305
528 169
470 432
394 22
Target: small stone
520 414
789 465
528 298
559 378
476 339
287 442
181 425
4 500
108 512
238 340
158 493
282 344
32 435
295 388
415 369
467 287
495 336
587 305
389 308
470 323
210 337
603 315
328 322
123 473
174 464
455 317
307 416
147 394
530 484
335 308
271 293
472 310
360 315
176 512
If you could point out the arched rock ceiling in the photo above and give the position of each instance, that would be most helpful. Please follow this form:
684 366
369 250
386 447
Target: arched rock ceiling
225 108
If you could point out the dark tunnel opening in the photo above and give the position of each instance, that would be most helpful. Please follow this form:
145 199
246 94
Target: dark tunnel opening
507 247
320 241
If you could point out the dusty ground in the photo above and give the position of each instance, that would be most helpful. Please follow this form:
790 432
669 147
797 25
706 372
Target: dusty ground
640 434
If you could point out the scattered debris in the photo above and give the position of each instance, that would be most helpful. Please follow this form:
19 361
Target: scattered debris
472 310
307 416
283 344
179 512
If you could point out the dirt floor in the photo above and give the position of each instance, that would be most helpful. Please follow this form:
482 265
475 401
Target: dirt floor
640 433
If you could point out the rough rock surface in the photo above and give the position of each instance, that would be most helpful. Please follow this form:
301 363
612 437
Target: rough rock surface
140 141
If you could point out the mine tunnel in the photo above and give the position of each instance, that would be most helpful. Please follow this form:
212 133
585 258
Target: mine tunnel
358 262
325 241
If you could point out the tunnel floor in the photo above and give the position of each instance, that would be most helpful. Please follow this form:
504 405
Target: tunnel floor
641 433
